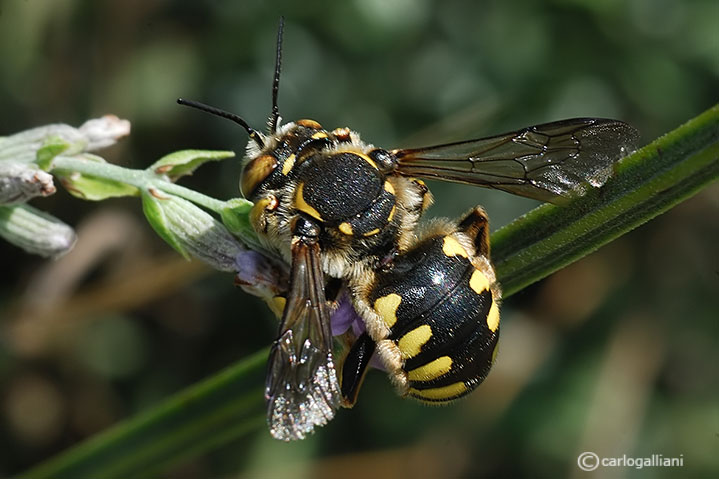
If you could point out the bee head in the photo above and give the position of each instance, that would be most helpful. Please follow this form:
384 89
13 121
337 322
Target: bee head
283 150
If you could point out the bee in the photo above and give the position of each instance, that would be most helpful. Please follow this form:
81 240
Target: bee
424 299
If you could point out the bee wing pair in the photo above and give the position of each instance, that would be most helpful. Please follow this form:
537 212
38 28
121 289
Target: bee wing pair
302 390
549 162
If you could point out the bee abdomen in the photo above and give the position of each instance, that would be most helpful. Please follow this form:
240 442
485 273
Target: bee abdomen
442 316
457 372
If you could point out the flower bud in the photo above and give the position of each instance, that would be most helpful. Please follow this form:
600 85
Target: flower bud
92 135
191 230
260 275
20 182
102 132
35 231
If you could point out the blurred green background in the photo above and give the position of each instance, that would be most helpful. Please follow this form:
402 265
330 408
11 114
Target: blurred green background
616 354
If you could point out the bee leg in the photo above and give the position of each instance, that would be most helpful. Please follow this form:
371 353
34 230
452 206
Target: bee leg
476 226
354 369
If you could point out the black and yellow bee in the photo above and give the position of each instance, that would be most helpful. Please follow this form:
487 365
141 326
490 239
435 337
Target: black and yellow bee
338 209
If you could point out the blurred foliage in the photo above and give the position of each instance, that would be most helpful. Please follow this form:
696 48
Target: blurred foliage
616 354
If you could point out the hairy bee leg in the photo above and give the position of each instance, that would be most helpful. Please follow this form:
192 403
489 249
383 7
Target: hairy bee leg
424 194
476 226
354 369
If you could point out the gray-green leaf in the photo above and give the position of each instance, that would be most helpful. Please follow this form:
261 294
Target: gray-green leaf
185 162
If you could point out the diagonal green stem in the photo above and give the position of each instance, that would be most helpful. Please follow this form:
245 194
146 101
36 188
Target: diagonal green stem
646 183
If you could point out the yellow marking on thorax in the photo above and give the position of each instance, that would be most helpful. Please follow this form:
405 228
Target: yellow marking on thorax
451 247
302 205
410 344
308 123
319 134
372 232
478 282
493 317
367 159
389 188
345 228
431 370
444 392
288 164
386 307
391 214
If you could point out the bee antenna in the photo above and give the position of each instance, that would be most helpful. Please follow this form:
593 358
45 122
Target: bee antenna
275 115
254 136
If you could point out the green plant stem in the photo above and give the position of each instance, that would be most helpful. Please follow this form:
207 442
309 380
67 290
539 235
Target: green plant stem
139 178
222 407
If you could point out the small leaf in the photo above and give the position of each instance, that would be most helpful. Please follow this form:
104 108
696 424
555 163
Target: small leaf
53 146
235 216
155 214
93 188
35 231
185 162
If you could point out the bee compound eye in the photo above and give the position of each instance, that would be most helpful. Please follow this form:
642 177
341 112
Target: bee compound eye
255 172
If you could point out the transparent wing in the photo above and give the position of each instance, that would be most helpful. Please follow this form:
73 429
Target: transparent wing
548 162
302 390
